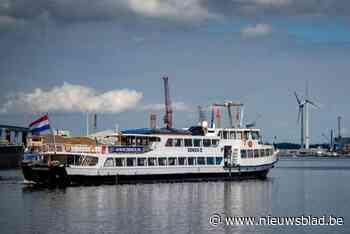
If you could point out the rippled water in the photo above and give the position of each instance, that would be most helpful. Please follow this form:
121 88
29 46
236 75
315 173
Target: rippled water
296 187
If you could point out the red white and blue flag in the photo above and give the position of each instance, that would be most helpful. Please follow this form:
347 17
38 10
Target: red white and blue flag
40 125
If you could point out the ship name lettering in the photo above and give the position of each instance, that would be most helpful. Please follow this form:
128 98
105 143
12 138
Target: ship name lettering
194 150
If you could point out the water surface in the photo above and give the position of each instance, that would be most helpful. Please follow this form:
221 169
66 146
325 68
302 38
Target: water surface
307 186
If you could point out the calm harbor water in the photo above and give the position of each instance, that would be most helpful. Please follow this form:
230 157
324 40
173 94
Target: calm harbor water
307 186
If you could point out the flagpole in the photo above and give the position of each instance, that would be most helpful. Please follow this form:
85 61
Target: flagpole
53 133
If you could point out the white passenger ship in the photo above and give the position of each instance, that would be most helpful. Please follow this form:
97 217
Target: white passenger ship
148 155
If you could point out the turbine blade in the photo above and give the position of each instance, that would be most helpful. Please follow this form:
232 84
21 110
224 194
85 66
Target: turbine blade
313 104
296 96
299 114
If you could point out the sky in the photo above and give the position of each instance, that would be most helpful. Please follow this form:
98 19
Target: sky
108 56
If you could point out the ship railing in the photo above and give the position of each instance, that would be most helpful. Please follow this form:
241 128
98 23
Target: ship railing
71 148
50 148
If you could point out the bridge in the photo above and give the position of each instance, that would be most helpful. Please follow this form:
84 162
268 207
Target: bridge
14 135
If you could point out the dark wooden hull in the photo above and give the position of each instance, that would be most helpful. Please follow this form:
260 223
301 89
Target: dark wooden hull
10 156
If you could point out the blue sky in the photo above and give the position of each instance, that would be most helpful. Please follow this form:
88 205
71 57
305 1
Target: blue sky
258 52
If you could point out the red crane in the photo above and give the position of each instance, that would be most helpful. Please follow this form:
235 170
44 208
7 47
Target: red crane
168 117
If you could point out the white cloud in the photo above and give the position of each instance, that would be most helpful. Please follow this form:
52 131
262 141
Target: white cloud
257 30
175 9
177 106
72 98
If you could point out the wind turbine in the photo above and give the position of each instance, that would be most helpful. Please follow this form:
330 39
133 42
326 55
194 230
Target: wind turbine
301 119
303 116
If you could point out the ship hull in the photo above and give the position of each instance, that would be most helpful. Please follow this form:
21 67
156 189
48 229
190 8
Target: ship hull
56 176
10 156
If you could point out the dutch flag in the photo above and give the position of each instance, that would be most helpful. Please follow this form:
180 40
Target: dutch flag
40 125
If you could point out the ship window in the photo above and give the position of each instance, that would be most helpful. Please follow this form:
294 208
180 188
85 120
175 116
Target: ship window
152 161
215 142
245 135
243 153
210 160
169 142
238 135
267 152
188 142
232 135
130 162
171 161
70 160
262 153
191 161
255 135
141 162
218 160
249 135
201 161
154 139
109 162
90 161
256 153
181 160
250 153
162 161
178 142
206 142
197 142
76 160
225 135
119 162
144 141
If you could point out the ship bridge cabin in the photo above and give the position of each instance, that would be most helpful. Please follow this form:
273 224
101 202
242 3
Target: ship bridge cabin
136 140
237 134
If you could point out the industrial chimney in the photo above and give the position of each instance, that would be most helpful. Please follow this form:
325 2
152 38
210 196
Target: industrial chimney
153 120
217 118
339 127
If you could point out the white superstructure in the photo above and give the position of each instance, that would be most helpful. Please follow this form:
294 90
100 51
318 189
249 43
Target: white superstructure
196 153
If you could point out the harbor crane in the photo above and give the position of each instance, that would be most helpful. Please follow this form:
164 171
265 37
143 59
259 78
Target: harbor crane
168 117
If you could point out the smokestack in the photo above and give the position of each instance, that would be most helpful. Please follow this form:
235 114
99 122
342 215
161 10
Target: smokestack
339 127
153 120
331 146
217 118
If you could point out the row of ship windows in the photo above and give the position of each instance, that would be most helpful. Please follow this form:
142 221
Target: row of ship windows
256 153
172 161
189 142
239 135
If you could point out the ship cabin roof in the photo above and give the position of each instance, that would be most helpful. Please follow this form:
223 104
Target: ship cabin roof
155 131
